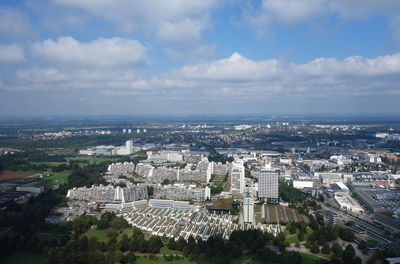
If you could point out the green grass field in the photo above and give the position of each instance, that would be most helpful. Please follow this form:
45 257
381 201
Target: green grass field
55 179
24 258
309 258
49 163
292 238
167 251
143 260
92 160
101 235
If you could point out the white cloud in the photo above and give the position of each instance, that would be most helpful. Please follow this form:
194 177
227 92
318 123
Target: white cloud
171 21
291 11
238 78
233 79
187 31
286 12
113 52
12 53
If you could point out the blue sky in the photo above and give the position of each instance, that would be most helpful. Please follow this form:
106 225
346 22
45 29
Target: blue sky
78 57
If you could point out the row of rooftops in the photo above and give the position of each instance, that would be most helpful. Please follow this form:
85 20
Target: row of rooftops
175 223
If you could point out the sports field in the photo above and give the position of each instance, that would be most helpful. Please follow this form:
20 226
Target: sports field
11 175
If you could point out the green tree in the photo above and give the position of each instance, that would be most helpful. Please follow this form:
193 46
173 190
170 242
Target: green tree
314 248
166 182
124 243
181 243
130 258
363 247
155 244
326 248
112 234
114 256
300 236
349 254
337 249
172 244
292 229
96 257
119 223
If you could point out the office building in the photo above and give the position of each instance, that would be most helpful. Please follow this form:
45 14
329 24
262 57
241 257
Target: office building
268 184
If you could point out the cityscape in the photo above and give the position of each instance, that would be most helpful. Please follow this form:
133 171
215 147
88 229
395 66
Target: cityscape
200 132
311 190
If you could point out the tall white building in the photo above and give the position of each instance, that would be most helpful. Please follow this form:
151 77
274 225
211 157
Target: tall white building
129 146
237 177
268 184
248 208
124 150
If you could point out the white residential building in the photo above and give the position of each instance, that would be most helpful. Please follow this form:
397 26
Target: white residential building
237 177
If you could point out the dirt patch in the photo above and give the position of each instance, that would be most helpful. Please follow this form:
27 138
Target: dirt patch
9 175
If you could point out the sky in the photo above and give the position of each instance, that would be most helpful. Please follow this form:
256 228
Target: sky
171 57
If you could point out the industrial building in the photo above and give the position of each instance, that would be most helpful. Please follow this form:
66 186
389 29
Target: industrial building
303 184
126 149
345 201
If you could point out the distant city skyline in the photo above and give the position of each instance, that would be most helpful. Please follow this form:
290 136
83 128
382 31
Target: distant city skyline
137 57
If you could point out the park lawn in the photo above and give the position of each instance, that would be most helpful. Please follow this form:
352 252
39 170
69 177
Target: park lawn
49 163
309 258
309 232
147 235
292 238
94 161
143 260
101 235
55 179
25 258
166 251
326 256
